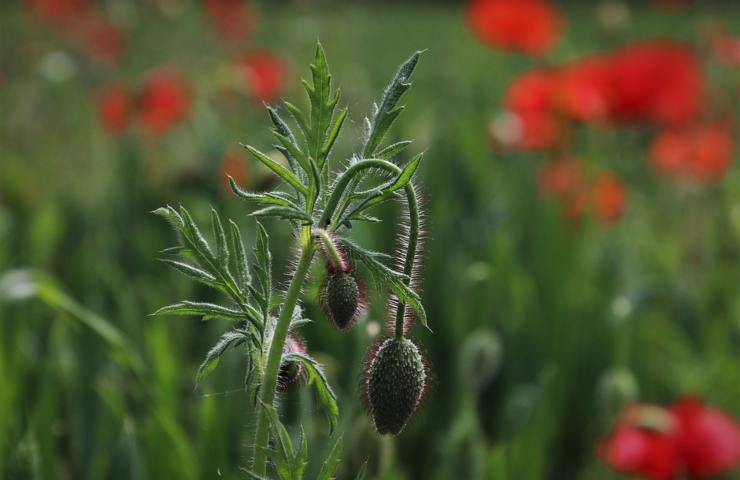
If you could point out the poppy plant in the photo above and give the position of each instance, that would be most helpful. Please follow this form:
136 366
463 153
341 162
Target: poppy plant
700 152
687 438
232 19
609 197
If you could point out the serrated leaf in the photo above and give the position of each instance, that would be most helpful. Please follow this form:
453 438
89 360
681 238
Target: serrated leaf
282 130
406 174
280 170
334 132
171 215
389 277
263 269
273 198
315 376
193 235
240 256
291 151
192 272
222 248
392 150
332 461
299 118
387 111
211 361
206 310
287 213
322 105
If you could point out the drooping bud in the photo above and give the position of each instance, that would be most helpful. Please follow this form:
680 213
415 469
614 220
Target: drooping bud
341 299
291 371
341 292
395 381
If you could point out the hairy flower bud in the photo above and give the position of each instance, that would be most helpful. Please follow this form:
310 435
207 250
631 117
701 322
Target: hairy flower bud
396 379
291 372
341 299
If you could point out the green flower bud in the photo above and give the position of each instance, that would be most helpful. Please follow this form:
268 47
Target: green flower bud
395 382
341 299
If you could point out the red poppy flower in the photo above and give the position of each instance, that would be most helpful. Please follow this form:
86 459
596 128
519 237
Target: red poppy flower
264 74
236 166
665 444
560 177
708 439
114 108
164 101
232 19
702 152
656 81
609 197
531 123
526 26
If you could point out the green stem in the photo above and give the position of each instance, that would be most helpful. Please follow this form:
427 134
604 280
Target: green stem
331 249
411 251
269 382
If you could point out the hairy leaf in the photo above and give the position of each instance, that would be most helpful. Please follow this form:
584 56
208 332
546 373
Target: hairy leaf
240 256
193 272
392 150
206 310
283 172
317 377
230 338
222 248
332 461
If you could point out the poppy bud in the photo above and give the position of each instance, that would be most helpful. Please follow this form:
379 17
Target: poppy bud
396 379
341 299
291 371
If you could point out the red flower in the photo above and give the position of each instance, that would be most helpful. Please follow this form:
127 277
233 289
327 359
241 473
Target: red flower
560 177
708 439
702 152
164 101
656 81
263 73
531 124
232 19
114 108
609 197
526 26
665 444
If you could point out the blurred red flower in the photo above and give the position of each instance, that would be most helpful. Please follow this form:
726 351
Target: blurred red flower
164 101
665 444
531 124
658 81
582 89
702 152
560 177
232 19
114 108
526 26
726 49
263 73
609 196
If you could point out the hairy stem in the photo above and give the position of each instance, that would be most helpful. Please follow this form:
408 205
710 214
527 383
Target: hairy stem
411 251
269 382
330 248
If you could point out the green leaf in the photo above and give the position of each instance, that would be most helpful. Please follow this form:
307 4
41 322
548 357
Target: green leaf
252 475
171 215
332 461
193 235
299 118
228 339
263 269
222 248
282 131
285 450
193 272
392 150
406 174
322 105
300 461
387 111
283 172
206 310
334 132
317 377
273 198
287 213
240 256
389 277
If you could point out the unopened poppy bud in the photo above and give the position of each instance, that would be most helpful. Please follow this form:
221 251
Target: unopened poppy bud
291 371
341 299
395 382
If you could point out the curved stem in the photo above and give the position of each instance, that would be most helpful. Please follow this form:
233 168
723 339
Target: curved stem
269 382
331 249
411 251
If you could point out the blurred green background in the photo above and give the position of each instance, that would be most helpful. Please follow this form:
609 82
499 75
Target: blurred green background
542 329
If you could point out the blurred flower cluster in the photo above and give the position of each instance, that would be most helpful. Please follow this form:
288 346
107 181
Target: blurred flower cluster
655 84
687 438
